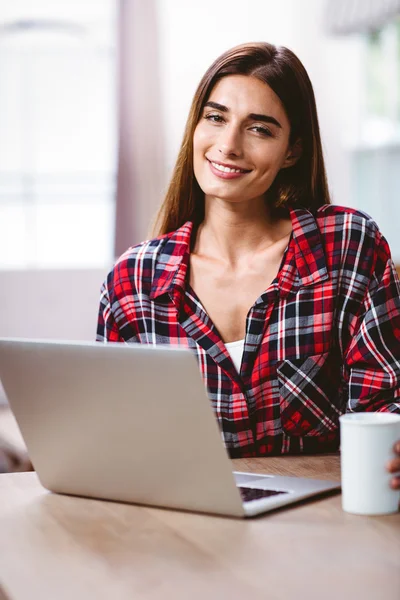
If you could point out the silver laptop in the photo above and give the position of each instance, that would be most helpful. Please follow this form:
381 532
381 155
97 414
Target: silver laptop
131 423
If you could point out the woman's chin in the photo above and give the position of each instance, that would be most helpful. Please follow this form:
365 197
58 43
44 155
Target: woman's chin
228 198
222 193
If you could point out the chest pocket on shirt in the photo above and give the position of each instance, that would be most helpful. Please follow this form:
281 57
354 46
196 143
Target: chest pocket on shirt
310 394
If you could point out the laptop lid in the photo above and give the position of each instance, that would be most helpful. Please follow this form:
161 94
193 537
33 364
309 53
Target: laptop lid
121 422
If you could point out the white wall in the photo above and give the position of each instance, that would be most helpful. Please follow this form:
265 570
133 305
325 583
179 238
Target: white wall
334 67
59 304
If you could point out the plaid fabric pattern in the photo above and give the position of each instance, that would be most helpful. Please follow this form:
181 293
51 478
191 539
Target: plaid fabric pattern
323 339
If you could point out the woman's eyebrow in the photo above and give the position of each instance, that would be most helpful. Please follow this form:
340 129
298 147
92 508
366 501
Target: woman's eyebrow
254 116
217 106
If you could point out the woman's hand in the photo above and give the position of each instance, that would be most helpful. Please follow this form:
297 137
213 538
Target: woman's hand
394 467
12 460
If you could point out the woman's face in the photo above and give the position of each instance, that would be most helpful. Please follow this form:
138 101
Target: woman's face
241 140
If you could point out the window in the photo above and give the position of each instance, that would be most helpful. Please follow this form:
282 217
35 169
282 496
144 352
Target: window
382 85
376 156
57 135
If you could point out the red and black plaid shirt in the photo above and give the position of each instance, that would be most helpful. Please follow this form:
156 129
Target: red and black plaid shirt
323 339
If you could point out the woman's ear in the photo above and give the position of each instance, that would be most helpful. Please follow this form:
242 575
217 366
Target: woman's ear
293 155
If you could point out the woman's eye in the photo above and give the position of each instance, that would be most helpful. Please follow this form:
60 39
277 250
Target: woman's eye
214 118
262 130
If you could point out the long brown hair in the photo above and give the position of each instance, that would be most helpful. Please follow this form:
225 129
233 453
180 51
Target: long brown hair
304 184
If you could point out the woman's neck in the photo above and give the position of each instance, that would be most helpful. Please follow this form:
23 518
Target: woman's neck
234 231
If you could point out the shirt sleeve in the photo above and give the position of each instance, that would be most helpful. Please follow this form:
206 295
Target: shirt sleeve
107 329
372 359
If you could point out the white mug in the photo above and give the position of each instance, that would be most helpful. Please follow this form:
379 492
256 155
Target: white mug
366 446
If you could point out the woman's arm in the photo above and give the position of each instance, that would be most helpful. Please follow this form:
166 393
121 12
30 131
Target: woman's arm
372 359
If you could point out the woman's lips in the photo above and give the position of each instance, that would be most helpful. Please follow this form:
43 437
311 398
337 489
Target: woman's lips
225 174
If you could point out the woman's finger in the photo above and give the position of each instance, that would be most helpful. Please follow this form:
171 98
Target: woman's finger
393 465
395 483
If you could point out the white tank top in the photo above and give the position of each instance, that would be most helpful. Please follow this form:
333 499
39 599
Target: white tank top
235 350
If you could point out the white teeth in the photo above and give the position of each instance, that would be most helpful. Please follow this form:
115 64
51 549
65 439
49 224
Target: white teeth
225 169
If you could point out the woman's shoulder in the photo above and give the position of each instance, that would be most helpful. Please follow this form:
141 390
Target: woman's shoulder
134 269
171 243
136 266
350 222
344 216
352 233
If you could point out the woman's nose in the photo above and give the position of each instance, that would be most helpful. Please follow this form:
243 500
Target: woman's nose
229 143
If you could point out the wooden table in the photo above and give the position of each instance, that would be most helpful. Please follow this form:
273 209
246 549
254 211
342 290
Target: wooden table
59 547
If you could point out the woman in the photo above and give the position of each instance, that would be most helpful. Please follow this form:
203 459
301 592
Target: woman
290 304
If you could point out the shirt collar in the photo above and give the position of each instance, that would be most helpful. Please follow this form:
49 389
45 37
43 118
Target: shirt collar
172 263
173 260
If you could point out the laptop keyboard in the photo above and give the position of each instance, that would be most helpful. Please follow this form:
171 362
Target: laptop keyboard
249 494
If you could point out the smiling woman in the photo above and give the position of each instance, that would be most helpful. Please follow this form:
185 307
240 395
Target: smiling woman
291 305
